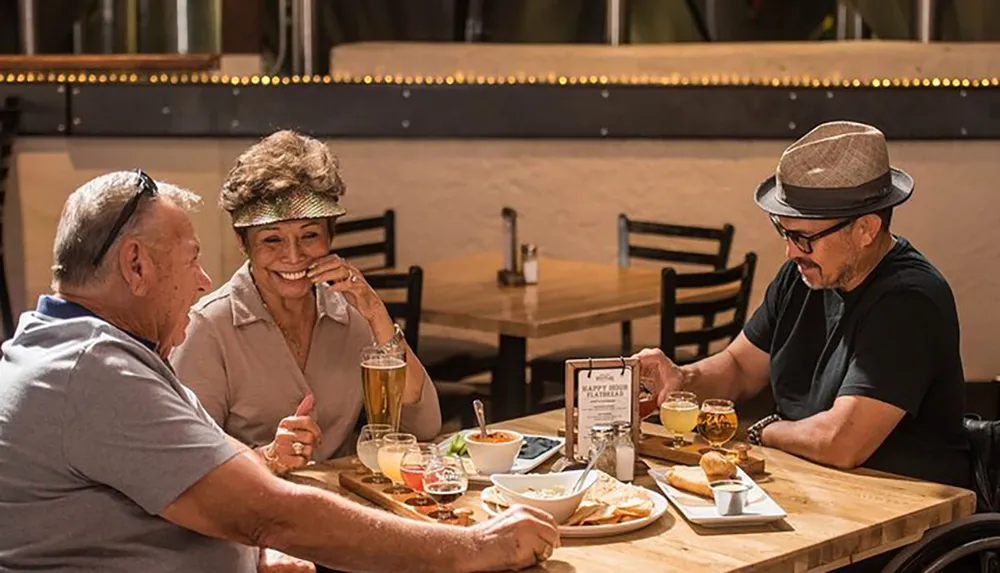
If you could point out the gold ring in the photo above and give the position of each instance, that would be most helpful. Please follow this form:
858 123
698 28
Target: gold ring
354 278
298 448
545 554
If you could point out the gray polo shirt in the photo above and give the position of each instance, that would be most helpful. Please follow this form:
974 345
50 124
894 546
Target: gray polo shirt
97 437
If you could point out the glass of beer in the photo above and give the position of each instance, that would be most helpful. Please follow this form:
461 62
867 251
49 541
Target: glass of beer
717 422
390 460
679 415
383 376
369 442
415 461
445 481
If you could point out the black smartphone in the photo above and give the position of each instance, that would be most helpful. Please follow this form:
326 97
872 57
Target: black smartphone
535 446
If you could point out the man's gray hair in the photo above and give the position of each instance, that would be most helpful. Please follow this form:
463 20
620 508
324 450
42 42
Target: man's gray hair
87 220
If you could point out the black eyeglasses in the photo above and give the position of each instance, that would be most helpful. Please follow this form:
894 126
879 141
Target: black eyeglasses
804 242
146 187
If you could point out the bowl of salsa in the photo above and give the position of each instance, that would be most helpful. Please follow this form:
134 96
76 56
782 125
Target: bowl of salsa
495 452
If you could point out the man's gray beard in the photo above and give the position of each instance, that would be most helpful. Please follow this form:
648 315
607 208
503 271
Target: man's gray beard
849 270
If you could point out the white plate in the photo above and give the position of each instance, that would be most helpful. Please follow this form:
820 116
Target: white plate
659 508
521 466
696 509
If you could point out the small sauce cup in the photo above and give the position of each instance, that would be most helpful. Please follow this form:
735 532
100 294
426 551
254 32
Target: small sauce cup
730 496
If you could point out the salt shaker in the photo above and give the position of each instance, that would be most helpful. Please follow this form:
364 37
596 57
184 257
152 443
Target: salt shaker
624 452
529 263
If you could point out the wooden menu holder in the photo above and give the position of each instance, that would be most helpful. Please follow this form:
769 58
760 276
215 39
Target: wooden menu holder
587 367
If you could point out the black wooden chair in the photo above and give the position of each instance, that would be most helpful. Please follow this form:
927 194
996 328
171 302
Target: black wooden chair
719 242
678 344
9 122
967 544
672 341
364 253
715 245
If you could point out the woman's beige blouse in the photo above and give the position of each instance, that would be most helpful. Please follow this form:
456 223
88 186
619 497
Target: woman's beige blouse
236 360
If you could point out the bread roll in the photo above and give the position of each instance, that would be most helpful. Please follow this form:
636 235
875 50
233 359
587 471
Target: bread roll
717 466
690 479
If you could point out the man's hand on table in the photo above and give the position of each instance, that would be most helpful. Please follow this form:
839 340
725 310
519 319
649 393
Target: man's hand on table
659 376
516 539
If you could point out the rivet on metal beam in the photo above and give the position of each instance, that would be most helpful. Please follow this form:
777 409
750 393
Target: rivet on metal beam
406 94
791 126
405 123
793 96
605 94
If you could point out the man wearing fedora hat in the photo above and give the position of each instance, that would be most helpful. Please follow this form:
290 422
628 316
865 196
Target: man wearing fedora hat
858 334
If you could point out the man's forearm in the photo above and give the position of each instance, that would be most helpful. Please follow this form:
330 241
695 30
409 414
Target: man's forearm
717 376
812 438
322 527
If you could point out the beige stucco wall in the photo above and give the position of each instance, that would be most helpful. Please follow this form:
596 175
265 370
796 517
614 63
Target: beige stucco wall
448 195
835 61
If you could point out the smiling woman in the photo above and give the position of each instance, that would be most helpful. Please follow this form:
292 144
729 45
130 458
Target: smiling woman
274 354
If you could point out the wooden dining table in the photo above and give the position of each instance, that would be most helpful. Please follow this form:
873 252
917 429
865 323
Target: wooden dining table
834 518
570 296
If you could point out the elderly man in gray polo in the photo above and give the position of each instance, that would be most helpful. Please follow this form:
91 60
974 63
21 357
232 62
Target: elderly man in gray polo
108 463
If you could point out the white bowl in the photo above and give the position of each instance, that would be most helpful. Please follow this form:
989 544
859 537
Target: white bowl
490 458
560 508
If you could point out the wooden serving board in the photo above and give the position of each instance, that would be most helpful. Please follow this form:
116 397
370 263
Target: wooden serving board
468 507
656 446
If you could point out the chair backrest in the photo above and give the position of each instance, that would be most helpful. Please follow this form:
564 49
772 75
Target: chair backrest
9 122
346 229
942 546
671 310
716 258
402 294
984 444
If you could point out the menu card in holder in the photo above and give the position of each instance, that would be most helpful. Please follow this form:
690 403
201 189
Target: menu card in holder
599 391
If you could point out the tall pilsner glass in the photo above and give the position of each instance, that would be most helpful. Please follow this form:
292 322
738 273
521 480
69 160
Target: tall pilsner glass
383 376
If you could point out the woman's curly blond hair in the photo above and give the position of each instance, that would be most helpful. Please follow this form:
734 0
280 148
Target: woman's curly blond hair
280 163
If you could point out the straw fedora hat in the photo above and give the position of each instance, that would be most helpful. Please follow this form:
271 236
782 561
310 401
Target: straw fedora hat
839 169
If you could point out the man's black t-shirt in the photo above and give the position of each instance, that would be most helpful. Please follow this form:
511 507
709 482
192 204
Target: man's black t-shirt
894 338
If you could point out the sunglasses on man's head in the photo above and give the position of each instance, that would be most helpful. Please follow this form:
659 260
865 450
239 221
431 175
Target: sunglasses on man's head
802 241
146 187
